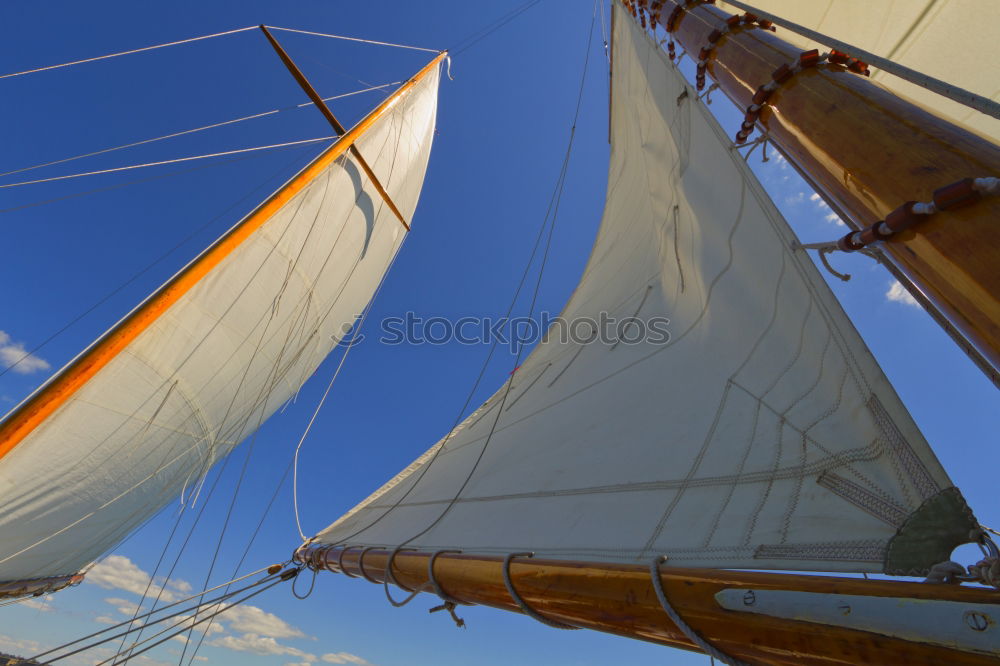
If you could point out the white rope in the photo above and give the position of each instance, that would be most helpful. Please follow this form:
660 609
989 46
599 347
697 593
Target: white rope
692 635
960 95
196 129
354 338
355 39
121 53
173 161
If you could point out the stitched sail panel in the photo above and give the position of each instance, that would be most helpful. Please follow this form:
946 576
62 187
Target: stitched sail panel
709 448
218 362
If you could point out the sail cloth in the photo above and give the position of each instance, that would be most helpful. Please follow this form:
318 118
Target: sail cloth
954 41
762 435
219 361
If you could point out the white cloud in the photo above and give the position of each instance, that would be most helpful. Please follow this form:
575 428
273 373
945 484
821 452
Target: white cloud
796 198
13 355
198 657
898 293
344 658
117 572
814 197
106 619
21 646
253 620
263 645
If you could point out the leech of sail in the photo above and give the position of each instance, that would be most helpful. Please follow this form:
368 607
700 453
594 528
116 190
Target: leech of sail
332 119
33 411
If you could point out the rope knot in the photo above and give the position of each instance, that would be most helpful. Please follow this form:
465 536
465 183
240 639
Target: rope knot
450 607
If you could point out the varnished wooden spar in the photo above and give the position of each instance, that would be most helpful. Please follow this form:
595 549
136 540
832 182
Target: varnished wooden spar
868 151
620 599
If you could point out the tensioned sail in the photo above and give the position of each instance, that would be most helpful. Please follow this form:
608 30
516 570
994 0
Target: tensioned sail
952 41
762 435
258 316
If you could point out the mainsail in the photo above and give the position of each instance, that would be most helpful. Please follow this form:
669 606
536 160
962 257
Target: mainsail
763 435
144 412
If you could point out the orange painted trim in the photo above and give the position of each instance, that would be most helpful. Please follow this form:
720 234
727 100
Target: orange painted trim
31 413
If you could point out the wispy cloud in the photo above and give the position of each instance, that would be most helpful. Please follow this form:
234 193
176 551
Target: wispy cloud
898 293
344 658
44 605
825 210
13 355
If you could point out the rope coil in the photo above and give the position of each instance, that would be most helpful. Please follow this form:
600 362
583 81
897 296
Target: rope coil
525 608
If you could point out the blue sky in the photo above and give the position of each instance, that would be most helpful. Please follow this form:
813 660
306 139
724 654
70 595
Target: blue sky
502 129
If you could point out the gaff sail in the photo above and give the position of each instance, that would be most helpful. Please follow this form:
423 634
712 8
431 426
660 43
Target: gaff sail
762 435
145 411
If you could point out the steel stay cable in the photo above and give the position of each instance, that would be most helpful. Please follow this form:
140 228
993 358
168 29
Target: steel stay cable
129 52
355 39
159 610
281 579
162 162
196 129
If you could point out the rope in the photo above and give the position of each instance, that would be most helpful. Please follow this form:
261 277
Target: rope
692 635
196 129
954 93
525 608
485 32
355 39
121 53
162 162
390 578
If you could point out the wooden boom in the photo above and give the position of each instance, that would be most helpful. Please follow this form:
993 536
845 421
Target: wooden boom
620 599
867 151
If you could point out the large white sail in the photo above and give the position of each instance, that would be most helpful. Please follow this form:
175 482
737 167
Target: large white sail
935 37
762 435
222 358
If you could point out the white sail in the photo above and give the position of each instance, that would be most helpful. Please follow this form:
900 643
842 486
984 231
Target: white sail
220 360
762 435
935 37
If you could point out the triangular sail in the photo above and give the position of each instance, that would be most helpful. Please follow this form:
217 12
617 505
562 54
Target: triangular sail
762 435
241 339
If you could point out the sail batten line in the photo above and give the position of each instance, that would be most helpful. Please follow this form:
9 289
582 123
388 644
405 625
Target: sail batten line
122 53
172 161
33 411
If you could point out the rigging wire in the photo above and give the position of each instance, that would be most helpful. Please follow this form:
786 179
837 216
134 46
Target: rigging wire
156 261
550 214
172 161
355 39
159 610
198 129
122 53
488 30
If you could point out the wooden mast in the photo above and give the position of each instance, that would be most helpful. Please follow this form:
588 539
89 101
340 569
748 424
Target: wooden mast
32 412
867 151
620 599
